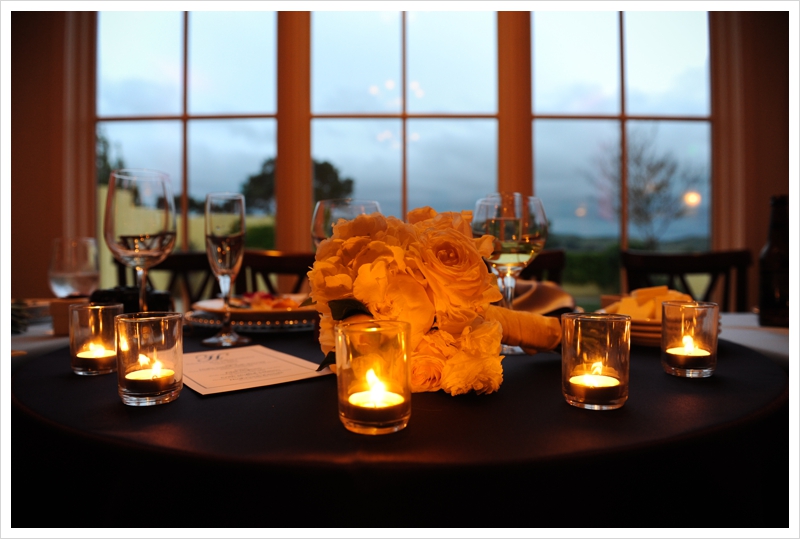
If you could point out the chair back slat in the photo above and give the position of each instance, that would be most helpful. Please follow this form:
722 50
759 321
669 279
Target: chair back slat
644 268
270 264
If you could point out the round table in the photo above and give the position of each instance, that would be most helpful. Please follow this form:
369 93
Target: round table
518 457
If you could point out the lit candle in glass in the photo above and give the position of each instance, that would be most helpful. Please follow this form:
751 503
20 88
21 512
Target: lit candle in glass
150 357
595 360
689 338
92 338
372 376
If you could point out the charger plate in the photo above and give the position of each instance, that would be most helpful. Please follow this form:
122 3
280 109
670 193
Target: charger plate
208 314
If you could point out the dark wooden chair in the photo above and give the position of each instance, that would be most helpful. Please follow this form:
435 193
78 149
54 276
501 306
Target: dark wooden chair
547 266
645 269
189 276
270 265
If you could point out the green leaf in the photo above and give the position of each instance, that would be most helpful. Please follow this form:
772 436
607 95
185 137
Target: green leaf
345 308
330 359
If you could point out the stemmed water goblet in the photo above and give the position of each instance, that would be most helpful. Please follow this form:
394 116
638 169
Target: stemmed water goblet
519 226
139 226
225 229
328 212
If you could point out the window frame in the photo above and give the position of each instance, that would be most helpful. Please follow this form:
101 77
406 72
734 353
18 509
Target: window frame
514 116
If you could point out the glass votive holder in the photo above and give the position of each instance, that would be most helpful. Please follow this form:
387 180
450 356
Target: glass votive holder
149 357
372 376
689 338
92 337
595 359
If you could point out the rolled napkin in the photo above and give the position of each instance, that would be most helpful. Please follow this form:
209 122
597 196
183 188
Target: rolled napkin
532 332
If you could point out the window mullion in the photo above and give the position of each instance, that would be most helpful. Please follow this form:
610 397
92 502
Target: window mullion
514 129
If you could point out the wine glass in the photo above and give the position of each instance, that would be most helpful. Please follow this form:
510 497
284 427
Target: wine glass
519 226
328 212
139 224
74 269
225 227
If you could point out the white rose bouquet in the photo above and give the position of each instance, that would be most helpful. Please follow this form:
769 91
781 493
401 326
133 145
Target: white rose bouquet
430 273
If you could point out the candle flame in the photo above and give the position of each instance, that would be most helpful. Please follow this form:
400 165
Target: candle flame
688 343
597 367
144 360
156 369
123 344
376 387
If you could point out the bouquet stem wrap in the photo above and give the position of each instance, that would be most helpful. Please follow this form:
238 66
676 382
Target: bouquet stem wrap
530 331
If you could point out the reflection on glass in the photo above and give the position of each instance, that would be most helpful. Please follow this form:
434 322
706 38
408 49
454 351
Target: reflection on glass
232 62
669 202
366 152
355 61
145 144
667 62
452 61
575 62
139 56
237 156
451 163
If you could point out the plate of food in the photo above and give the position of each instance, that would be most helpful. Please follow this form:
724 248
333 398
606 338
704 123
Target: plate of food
257 312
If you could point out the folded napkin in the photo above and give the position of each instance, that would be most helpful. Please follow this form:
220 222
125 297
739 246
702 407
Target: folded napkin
544 297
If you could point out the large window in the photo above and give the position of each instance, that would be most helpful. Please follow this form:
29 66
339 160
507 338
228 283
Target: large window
406 104
622 137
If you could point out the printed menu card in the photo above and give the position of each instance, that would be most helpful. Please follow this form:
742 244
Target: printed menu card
220 370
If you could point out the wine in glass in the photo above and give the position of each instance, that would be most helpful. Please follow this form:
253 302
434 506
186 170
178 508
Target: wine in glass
519 226
225 228
74 269
328 212
139 224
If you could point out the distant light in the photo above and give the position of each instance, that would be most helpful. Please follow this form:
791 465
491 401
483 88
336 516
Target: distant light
580 211
374 89
384 135
414 137
419 93
692 198
414 85
389 84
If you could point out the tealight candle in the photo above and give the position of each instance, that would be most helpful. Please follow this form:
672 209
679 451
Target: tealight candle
689 356
375 404
594 387
689 338
372 376
97 357
150 380
92 338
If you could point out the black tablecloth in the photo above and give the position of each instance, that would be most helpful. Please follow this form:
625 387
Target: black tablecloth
714 448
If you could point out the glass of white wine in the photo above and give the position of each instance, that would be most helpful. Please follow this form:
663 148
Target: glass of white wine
140 223
328 212
225 228
519 226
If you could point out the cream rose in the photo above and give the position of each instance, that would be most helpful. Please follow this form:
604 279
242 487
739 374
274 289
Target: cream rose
428 359
478 363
